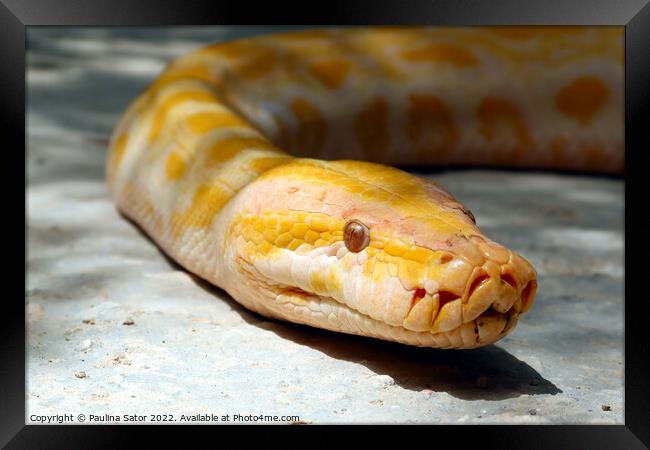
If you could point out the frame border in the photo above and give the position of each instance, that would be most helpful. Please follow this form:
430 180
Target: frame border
634 15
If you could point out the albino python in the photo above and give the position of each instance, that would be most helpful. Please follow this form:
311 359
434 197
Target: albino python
198 161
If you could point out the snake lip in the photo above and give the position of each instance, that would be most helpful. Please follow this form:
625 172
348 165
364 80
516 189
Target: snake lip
489 326
481 312
497 291
479 281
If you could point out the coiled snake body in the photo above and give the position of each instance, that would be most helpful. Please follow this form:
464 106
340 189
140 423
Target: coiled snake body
198 161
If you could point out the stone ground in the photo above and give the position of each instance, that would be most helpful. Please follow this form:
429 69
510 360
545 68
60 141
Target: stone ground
152 339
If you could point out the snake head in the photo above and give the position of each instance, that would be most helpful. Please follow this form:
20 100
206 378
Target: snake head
368 249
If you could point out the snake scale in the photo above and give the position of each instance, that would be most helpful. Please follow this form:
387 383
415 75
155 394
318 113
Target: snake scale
220 161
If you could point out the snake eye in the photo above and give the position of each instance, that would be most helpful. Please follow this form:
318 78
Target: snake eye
356 236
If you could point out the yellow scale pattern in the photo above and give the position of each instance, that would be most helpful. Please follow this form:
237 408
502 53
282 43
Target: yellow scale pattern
266 234
203 132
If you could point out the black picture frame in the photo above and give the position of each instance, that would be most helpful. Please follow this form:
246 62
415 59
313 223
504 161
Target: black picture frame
634 15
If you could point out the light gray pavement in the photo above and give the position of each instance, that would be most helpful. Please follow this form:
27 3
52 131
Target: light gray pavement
192 349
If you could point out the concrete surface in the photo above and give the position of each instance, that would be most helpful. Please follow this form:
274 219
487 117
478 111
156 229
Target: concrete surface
151 339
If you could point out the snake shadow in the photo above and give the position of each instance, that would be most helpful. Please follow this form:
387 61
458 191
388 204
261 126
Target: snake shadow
455 372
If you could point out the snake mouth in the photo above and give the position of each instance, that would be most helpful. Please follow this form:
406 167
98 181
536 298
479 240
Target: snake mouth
327 312
494 297
490 325
486 310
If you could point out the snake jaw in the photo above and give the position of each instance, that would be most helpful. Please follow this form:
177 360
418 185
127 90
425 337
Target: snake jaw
496 293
